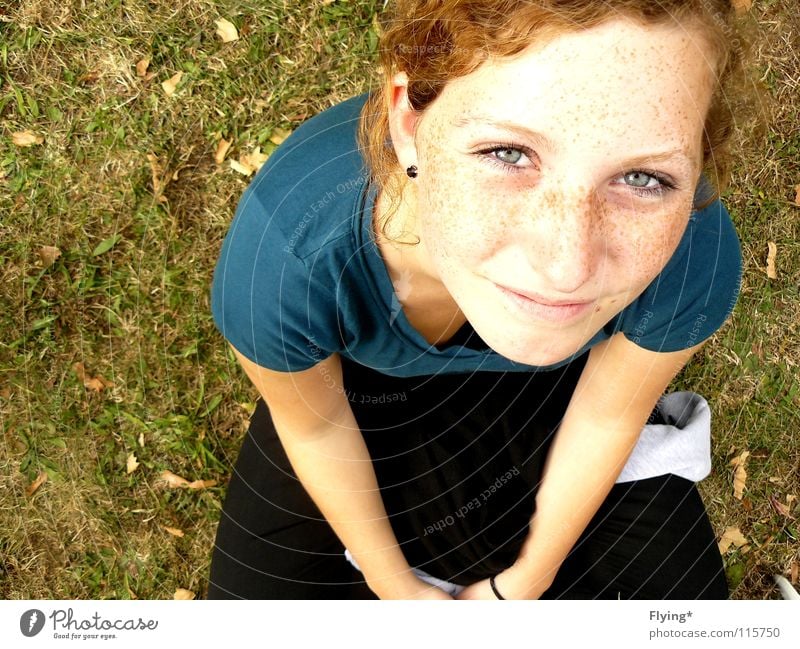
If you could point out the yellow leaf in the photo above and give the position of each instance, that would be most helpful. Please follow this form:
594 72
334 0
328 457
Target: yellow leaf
202 484
141 67
48 255
173 480
773 251
731 536
174 531
160 179
141 440
278 136
242 169
40 480
171 84
739 474
26 138
222 150
132 464
184 594
226 30
740 6
254 160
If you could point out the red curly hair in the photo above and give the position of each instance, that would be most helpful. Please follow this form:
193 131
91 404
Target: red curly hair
434 41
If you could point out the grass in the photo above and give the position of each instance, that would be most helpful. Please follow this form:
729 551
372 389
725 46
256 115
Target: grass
128 297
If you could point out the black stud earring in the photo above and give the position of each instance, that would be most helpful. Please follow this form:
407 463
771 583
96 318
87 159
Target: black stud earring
412 171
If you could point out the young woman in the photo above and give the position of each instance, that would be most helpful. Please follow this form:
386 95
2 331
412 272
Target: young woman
461 317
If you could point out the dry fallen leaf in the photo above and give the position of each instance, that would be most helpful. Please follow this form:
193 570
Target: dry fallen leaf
159 178
48 255
184 594
141 67
739 474
254 159
222 150
40 480
773 251
731 536
237 166
795 569
250 163
226 30
171 84
779 507
132 464
96 383
741 6
141 440
26 138
175 481
797 195
202 484
278 136
174 531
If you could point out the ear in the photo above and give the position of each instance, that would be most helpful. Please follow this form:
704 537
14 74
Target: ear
403 120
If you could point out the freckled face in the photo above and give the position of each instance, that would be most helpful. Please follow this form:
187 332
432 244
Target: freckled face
567 172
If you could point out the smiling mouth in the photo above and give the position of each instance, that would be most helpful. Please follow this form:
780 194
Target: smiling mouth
532 304
541 299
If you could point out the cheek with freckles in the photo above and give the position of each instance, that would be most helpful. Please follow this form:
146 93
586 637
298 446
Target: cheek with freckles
645 243
461 222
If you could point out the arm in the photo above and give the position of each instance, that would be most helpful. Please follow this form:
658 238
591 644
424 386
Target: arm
618 388
320 435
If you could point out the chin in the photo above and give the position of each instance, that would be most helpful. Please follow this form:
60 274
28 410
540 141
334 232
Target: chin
539 355
540 360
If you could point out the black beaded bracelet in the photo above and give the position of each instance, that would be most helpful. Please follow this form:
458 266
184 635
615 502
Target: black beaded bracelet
494 588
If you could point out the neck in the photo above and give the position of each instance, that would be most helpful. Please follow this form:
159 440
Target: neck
403 245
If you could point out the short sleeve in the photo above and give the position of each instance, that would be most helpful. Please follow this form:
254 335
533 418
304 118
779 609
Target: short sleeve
697 290
264 300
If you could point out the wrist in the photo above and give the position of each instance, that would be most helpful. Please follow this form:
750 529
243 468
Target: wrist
397 585
522 581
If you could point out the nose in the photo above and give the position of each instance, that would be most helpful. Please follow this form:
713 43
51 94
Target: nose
567 247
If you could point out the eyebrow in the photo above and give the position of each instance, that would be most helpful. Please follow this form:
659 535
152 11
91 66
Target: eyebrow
537 138
542 141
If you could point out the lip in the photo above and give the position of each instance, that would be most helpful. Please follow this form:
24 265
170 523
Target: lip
559 311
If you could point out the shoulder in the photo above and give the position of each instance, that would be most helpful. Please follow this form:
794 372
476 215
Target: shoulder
308 186
271 295
695 292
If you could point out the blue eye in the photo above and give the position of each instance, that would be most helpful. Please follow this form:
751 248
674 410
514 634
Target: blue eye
641 179
645 183
509 157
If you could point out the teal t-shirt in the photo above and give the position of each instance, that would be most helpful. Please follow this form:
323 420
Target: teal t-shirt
301 277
